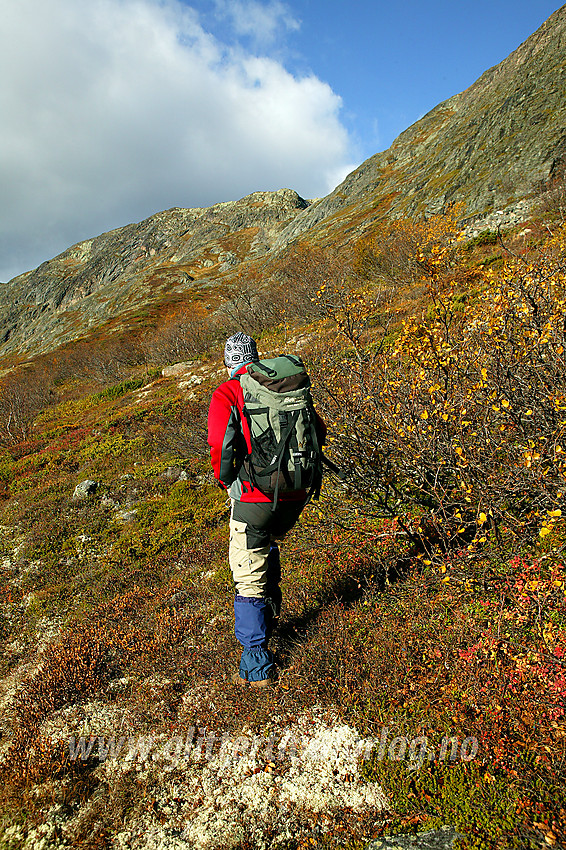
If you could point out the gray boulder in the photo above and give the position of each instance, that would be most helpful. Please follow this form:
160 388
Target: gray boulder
175 473
436 839
84 489
177 370
126 515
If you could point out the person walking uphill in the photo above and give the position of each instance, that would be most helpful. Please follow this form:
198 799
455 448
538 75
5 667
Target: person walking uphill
265 443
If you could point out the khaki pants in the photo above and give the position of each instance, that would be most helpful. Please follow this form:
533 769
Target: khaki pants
253 527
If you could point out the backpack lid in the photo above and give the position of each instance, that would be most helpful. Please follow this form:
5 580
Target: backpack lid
280 374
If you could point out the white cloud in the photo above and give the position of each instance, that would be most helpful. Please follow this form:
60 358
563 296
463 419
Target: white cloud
115 109
262 21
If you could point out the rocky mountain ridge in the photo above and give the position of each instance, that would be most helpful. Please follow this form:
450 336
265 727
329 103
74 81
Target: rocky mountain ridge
120 271
488 147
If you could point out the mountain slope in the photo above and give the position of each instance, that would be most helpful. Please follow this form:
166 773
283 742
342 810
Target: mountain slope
494 143
486 147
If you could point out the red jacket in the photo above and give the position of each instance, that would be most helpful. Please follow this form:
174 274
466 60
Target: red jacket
229 441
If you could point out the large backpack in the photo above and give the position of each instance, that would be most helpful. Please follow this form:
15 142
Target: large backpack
279 410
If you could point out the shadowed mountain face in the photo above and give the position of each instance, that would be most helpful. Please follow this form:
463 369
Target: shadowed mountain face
487 147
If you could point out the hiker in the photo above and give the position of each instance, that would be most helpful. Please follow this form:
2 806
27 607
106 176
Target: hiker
267 493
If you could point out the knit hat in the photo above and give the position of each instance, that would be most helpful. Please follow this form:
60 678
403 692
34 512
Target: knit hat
240 349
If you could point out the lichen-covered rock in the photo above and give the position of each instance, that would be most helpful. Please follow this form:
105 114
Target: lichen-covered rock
84 489
126 515
436 839
175 473
176 370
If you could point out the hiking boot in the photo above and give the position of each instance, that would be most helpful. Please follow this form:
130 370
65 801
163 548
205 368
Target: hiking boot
236 679
264 683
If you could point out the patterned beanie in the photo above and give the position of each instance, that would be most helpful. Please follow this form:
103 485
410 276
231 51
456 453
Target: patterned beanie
240 349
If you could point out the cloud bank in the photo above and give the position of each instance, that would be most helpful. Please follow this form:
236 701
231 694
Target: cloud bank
115 109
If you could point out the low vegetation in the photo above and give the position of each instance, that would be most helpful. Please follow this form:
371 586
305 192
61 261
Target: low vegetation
424 594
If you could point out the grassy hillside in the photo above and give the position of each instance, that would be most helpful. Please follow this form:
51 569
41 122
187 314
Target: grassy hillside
424 595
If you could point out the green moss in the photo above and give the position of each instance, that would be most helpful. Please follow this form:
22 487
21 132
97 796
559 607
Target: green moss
486 237
115 446
481 805
7 469
118 390
169 523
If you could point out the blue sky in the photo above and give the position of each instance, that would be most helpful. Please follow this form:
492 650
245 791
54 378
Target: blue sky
115 109
391 62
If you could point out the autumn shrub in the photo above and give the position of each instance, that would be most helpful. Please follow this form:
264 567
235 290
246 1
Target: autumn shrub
182 432
462 420
23 394
183 333
105 359
130 630
251 305
448 655
306 284
396 250
303 271
552 203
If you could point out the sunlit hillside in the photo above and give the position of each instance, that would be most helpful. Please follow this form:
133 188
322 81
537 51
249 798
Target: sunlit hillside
423 628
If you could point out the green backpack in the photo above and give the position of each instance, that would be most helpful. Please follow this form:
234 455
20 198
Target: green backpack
279 410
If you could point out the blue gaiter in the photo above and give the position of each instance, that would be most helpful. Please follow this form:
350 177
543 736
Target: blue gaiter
253 618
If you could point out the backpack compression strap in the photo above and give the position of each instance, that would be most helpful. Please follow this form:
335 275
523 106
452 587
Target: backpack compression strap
279 452
314 492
